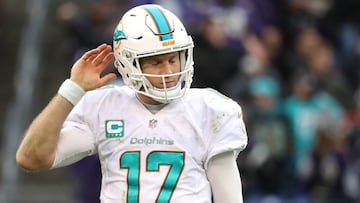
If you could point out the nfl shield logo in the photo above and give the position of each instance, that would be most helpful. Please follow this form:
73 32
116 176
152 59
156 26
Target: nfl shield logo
152 123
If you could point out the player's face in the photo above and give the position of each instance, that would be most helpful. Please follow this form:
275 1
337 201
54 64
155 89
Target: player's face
162 65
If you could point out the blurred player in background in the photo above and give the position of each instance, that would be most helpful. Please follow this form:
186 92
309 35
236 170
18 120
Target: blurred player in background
158 140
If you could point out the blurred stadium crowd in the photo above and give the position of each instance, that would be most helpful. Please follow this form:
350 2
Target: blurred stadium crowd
293 66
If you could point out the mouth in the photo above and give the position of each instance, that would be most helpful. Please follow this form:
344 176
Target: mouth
168 84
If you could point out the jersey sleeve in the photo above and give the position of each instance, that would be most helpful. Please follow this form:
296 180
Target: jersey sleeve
227 131
76 139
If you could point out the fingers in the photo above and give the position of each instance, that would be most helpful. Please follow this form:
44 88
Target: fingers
108 57
90 55
97 55
103 56
107 78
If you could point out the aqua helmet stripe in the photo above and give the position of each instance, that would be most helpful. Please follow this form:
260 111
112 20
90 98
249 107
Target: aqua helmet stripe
160 21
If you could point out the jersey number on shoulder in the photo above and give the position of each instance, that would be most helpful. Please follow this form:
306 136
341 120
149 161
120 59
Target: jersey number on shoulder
130 161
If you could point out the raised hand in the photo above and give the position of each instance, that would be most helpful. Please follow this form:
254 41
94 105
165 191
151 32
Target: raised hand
87 70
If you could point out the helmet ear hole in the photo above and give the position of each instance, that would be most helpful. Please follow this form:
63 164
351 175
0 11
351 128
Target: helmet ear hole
127 55
118 63
122 65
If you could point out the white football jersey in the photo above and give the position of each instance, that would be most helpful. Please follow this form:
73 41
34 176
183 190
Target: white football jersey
148 157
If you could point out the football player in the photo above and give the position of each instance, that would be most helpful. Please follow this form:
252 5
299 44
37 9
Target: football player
158 140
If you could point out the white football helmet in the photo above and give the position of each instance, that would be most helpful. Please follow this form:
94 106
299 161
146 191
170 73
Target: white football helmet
150 30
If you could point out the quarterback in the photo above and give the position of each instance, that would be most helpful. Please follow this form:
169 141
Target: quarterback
158 140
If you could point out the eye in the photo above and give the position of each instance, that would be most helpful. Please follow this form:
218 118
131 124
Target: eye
173 60
153 62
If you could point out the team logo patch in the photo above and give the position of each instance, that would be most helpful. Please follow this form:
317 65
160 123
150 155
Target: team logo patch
114 128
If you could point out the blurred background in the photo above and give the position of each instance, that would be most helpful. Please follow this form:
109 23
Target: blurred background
293 66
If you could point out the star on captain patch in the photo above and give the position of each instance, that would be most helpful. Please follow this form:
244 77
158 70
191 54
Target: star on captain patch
152 123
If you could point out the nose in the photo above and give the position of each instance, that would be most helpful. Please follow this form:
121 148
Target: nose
166 68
